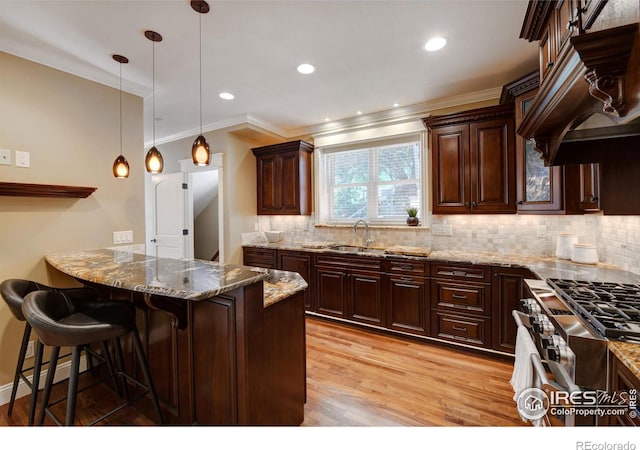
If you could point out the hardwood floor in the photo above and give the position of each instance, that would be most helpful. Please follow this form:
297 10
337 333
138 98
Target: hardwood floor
360 378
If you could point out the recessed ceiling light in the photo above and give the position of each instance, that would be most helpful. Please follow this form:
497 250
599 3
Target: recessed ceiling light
326 119
227 96
395 105
435 43
306 69
359 112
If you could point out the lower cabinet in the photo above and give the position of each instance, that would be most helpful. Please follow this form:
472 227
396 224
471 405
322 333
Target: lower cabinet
350 288
507 289
408 291
623 380
302 263
461 303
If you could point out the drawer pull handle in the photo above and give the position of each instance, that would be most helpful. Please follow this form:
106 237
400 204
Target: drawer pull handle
459 297
406 278
464 329
459 273
406 267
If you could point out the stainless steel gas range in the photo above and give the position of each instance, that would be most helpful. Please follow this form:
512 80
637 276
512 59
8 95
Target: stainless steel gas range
570 323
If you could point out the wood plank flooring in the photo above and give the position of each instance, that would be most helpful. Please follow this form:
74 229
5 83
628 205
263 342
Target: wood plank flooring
359 378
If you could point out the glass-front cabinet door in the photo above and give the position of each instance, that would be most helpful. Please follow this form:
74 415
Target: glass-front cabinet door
539 188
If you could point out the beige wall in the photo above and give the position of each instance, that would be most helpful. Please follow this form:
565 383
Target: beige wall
70 127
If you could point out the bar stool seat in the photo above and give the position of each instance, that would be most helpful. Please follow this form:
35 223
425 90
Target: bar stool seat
13 291
63 320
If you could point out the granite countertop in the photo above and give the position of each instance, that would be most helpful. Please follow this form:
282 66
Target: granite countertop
186 279
628 353
543 267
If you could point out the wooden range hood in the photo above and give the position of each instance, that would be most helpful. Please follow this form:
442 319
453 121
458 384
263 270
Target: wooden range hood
590 101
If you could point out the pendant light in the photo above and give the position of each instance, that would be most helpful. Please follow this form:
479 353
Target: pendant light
121 165
200 153
153 161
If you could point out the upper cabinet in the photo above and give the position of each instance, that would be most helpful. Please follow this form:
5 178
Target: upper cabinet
570 189
473 165
284 178
589 73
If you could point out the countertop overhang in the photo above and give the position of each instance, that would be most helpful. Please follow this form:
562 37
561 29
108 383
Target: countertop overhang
189 279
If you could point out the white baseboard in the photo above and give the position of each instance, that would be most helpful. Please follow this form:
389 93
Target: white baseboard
62 373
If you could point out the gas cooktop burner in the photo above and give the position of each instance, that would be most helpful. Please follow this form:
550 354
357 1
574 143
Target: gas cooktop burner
611 308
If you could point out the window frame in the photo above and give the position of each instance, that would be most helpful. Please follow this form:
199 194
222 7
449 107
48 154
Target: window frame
323 182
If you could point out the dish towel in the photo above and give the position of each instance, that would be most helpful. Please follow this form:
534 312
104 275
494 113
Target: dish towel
523 370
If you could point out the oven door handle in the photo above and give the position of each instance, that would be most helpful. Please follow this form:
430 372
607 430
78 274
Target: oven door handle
522 320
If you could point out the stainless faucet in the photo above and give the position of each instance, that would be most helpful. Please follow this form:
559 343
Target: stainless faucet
367 241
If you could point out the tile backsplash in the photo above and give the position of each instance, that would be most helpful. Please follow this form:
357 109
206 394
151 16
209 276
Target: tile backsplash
617 237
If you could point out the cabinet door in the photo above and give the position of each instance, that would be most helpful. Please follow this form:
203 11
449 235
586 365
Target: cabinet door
290 183
589 187
565 22
330 292
507 290
366 298
492 166
269 184
547 51
450 156
300 263
539 188
407 307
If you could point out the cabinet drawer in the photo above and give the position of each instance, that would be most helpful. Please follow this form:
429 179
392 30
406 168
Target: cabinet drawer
348 262
463 329
461 272
260 257
409 267
471 298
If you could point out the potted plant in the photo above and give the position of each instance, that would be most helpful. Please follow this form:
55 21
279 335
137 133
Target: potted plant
412 220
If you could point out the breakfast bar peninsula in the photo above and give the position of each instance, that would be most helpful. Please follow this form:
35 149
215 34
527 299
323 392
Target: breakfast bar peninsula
225 343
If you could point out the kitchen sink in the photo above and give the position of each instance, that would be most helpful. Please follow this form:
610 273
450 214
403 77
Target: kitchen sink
357 249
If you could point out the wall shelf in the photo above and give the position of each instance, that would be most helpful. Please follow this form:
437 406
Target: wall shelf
44 190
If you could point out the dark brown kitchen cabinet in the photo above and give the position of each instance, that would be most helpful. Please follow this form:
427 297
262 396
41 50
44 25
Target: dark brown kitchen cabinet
302 263
284 178
260 257
350 287
540 189
473 161
461 306
408 296
623 380
507 289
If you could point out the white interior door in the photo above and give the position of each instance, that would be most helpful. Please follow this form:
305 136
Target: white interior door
168 228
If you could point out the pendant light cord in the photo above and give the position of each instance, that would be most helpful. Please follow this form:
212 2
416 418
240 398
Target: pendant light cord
153 82
121 109
200 31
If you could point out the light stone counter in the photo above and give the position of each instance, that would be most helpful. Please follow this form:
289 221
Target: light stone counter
185 279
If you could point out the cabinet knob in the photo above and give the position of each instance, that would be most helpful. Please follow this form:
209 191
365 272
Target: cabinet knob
520 202
549 65
466 203
474 204
571 24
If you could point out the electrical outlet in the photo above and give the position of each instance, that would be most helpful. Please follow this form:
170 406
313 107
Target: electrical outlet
542 231
5 157
441 230
29 353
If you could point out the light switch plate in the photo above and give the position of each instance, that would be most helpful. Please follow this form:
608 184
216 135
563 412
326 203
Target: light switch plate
22 159
5 157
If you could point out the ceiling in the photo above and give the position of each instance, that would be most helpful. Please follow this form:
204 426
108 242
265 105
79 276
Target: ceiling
368 55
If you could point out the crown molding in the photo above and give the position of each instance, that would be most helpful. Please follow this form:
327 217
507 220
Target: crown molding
396 115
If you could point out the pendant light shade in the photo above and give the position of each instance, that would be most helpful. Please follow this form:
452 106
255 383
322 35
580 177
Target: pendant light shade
120 165
153 161
200 153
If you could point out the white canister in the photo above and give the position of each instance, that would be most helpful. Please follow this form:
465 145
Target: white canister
584 254
564 247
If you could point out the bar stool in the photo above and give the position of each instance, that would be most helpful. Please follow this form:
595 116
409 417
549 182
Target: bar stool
63 320
13 291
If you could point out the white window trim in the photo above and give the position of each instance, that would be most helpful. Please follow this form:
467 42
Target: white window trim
380 140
